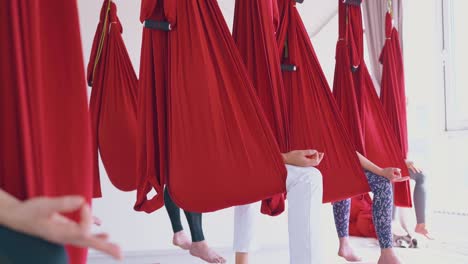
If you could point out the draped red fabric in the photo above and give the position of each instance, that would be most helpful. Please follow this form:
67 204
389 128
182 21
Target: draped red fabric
392 93
357 99
254 34
315 119
113 103
346 98
152 136
45 137
220 150
360 220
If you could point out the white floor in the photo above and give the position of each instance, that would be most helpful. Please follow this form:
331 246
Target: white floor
450 247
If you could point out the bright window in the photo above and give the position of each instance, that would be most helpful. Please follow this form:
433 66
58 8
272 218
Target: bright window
455 59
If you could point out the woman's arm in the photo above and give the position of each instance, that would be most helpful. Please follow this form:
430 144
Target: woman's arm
412 167
7 203
369 165
303 158
392 174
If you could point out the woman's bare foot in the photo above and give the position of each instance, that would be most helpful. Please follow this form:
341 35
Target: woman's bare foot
181 240
421 229
346 251
388 256
203 251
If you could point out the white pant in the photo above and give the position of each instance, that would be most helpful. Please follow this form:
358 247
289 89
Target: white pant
304 187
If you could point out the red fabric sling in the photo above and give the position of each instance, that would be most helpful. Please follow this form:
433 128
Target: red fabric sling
113 101
392 93
361 220
151 112
214 143
357 99
254 34
315 120
45 137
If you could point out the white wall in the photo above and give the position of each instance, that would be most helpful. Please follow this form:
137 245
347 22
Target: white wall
443 154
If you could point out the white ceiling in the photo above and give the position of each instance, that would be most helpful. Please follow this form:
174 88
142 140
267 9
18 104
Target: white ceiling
314 12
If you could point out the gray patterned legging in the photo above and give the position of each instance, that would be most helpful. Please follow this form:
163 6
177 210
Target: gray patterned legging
382 206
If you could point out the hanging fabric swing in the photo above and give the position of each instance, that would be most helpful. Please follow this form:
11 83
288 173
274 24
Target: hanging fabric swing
315 119
151 112
392 92
358 100
113 101
254 35
45 140
202 125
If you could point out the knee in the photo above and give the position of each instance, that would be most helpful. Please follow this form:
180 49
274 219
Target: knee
314 177
381 186
419 178
313 172
305 178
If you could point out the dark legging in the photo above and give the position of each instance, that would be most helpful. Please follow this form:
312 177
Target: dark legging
381 210
194 219
17 248
419 197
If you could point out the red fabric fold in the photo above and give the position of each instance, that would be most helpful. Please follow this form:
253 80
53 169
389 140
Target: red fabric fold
254 34
392 93
346 99
361 220
210 139
152 125
113 103
45 140
380 144
147 9
315 119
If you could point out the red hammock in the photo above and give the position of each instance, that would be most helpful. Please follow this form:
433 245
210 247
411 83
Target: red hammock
113 101
392 92
220 150
254 34
45 137
357 98
315 119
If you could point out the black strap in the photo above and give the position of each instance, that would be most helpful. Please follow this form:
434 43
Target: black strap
288 67
299 1
158 25
353 2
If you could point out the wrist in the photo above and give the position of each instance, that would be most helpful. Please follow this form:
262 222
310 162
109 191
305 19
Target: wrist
380 171
285 158
7 215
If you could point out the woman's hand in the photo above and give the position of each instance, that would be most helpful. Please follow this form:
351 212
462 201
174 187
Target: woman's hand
412 167
393 175
41 217
303 158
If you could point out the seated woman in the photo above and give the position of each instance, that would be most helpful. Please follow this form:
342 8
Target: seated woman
197 245
304 190
34 231
380 183
420 205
